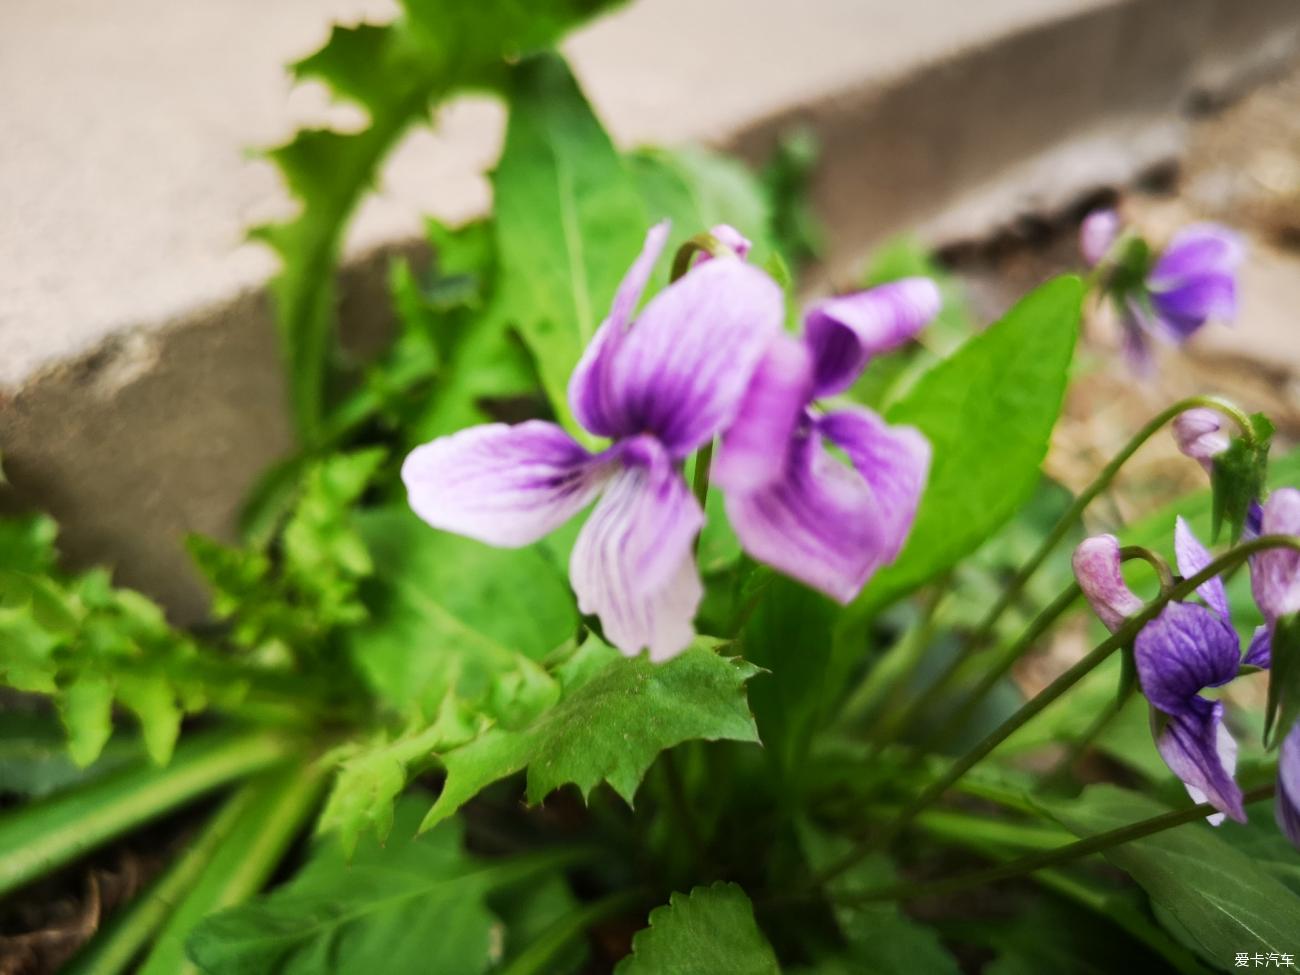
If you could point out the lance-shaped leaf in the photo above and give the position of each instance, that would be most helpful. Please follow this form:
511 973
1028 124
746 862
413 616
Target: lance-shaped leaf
569 220
710 930
614 716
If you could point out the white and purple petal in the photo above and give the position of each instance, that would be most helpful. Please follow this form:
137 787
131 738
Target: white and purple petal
820 523
591 393
894 461
1202 753
632 564
1186 307
1287 807
682 370
1192 557
1097 567
755 448
1182 651
504 485
845 332
1275 572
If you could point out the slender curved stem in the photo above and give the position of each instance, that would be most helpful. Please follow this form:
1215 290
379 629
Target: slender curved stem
1072 514
699 244
1047 858
1120 638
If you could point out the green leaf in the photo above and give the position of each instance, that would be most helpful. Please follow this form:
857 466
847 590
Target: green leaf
396 73
614 716
709 931
787 178
1217 900
1239 475
569 220
988 412
34 762
1284 676
407 906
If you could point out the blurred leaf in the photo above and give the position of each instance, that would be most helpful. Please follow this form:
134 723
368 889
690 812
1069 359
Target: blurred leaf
708 931
34 760
787 178
397 73
1217 900
569 221
988 413
614 717
412 905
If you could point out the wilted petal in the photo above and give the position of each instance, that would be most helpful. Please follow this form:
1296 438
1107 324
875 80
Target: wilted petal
1275 572
1182 651
845 332
1186 307
591 395
1196 251
895 461
682 370
1192 557
1200 436
756 447
1260 652
1287 809
1098 232
1097 568
632 563
1200 751
820 523
504 485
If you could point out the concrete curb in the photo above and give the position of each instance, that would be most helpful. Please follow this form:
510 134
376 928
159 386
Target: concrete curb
159 432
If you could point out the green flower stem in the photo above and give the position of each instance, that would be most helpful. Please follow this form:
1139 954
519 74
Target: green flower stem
1075 511
1065 767
283 800
699 244
1046 858
700 481
121 940
1005 661
681 806
540 956
1121 638
43 836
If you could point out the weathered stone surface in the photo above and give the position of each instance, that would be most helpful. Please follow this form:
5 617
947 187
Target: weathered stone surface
141 391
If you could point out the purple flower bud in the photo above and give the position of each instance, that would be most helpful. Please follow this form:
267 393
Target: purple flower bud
733 238
1275 573
1200 435
1287 808
1099 230
1097 567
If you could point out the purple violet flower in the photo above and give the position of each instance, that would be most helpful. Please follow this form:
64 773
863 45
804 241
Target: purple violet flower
1184 650
659 387
1275 573
1287 806
793 504
1191 282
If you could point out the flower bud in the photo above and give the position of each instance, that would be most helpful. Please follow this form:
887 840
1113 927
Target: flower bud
1200 435
1099 230
1275 572
1097 567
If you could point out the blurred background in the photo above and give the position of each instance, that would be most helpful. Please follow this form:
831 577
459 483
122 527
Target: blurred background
140 384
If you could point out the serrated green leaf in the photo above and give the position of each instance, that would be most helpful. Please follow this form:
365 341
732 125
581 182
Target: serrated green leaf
397 73
569 221
27 544
988 412
86 709
1215 899
412 905
711 930
614 717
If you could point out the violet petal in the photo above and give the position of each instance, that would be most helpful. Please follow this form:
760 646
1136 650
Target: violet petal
894 461
1275 572
820 523
845 332
1287 808
1188 306
1097 568
1192 557
1098 232
632 564
1260 652
1195 251
504 485
1182 651
1200 751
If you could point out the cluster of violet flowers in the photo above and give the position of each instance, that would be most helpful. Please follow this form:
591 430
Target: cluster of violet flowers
706 359
1170 296
1193 646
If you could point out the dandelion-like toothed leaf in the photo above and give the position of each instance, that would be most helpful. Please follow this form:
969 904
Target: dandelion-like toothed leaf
709 931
